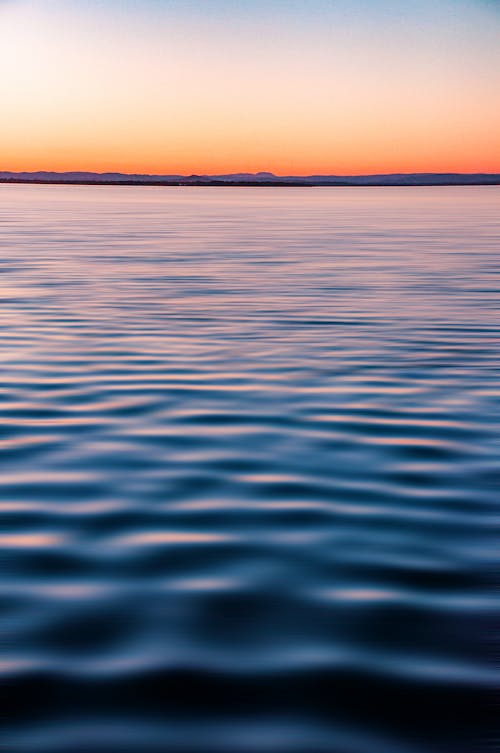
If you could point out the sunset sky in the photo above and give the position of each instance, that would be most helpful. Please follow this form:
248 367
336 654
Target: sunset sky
214 86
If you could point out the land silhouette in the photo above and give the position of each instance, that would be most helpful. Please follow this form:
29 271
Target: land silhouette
252 179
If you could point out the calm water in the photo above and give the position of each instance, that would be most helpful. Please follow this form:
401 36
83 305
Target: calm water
249 482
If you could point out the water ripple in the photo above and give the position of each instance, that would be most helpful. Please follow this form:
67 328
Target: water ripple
249 469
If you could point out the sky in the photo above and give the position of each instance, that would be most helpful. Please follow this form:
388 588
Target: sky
294 87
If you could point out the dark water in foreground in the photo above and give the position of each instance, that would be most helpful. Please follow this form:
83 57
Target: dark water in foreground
249 481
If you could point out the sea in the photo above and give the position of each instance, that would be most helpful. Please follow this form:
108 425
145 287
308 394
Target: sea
249 469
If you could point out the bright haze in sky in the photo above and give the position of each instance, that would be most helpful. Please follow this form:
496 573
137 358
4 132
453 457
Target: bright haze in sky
214 86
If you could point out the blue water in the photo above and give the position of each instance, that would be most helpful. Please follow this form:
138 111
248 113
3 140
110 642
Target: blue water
249 485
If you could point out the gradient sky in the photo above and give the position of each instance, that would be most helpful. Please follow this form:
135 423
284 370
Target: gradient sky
213 86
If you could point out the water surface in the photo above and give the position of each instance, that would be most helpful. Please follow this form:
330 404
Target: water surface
249 479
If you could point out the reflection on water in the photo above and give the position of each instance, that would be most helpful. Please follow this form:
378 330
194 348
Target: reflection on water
249 480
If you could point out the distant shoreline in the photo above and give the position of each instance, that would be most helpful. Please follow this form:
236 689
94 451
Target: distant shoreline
292 183
152 183
265 179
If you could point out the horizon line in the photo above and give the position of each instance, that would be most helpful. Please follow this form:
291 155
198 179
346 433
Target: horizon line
262 173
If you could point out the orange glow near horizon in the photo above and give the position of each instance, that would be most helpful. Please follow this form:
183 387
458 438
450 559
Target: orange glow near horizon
87 86
82 161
